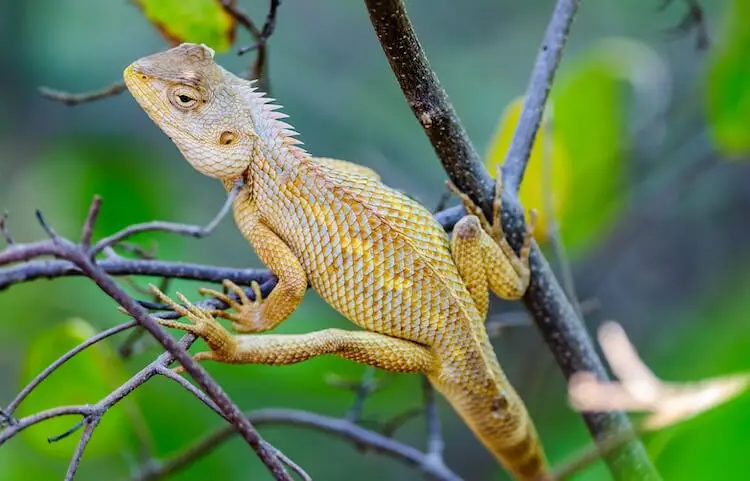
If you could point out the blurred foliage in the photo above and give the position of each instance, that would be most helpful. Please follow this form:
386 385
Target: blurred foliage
102 370
610 99
728 92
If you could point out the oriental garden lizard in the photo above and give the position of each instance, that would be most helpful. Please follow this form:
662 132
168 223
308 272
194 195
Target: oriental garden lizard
375 255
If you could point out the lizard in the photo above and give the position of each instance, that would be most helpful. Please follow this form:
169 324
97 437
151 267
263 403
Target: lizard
375 255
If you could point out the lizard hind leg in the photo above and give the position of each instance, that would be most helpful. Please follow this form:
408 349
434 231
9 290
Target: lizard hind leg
373 349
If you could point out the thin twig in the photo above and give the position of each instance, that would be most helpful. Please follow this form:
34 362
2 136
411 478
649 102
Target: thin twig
435 444
91 425
49 269
4 229
261 36
88 225
171 227
74 99
545 300
170 374
389 427
537 92
342 428
292 465
63 248
363 389
268 27
62 360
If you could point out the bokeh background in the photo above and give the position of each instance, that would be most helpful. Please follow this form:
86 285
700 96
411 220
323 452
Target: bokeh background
649 145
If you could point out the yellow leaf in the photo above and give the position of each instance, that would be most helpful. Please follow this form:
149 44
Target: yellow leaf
195 21
539 188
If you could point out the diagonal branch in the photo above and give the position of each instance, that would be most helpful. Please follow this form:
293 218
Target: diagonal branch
562 329
542 76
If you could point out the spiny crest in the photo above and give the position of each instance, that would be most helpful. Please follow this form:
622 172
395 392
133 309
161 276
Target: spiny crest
268 118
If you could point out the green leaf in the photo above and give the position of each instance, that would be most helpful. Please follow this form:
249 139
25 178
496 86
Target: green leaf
590 118
195 21
84 379
728 90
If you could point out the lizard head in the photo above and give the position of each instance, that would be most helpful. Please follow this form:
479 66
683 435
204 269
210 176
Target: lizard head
198 105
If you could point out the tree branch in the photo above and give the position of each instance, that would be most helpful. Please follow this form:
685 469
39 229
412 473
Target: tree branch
342 428
545 300
537 92
72 99
83 259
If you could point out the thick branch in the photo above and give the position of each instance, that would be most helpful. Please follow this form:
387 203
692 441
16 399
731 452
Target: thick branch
427 99
553 315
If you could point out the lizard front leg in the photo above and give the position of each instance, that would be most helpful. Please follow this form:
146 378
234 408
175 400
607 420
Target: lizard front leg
263 315
373 349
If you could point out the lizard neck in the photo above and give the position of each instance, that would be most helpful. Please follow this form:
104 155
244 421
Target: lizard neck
276 148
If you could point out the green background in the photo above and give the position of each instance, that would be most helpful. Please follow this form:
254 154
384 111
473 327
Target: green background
658 135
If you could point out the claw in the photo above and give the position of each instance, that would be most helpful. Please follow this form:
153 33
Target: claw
470 206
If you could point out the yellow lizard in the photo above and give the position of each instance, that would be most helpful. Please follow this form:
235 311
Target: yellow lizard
376 256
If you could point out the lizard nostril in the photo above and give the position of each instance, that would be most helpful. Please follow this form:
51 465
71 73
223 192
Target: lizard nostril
227 138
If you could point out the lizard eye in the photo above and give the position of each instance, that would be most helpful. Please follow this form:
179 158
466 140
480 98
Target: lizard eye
184 98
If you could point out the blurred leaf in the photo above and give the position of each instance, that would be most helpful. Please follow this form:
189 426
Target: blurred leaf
534 187
195 21
86 378
728 92
712 340
592 123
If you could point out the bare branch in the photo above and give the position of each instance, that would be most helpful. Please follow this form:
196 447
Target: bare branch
170 374
74 99
545 300
63 248
292 465
342 428
62 360
435 444
49 269
365 387
88 225
261 36
172 227
537 92
4 229
91 425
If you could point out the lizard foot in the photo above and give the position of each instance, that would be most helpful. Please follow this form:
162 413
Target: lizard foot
223 345
495 229
247 316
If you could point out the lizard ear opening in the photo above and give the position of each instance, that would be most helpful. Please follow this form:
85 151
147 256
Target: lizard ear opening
227 138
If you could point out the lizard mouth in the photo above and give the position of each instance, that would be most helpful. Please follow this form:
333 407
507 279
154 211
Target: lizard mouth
145 92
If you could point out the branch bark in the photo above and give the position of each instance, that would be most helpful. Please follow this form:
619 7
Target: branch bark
561 328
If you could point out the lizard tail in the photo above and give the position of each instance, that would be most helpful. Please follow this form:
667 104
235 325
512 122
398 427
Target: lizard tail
503 425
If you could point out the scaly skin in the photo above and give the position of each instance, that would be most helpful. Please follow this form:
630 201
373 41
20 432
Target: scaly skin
375 255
